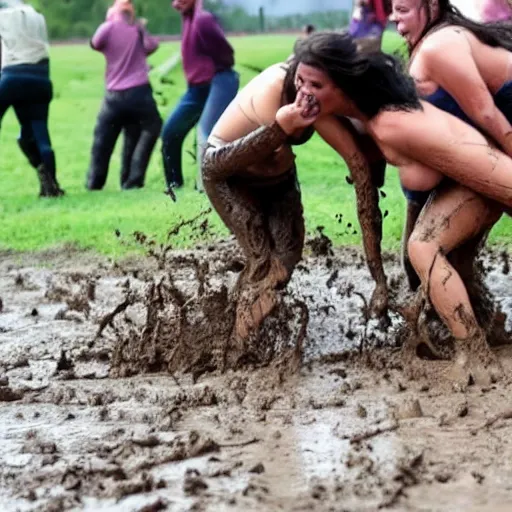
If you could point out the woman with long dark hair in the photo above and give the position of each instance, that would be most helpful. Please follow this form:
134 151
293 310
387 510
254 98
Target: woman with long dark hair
462 67
427 145
250 176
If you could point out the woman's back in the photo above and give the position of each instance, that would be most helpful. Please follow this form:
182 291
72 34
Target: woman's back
24 36
494 64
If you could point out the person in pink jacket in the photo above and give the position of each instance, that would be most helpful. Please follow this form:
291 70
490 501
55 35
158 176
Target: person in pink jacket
128 102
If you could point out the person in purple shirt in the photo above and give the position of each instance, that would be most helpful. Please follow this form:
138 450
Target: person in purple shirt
128 102
212 83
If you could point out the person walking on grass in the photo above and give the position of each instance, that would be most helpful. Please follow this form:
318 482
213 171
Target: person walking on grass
368 22
128 102
25 85
212 83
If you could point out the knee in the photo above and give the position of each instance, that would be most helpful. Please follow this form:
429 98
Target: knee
289 261
172 131
45 150
422 255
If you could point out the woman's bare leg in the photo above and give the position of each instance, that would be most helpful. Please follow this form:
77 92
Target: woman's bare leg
411 216
453 216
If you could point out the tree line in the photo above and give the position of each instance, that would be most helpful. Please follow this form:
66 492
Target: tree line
80 18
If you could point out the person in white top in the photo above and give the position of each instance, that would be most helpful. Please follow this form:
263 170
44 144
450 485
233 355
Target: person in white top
25 85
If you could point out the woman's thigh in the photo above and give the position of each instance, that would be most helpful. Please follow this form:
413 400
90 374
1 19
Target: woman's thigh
453 215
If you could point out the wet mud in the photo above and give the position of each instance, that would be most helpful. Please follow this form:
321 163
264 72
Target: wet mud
122 388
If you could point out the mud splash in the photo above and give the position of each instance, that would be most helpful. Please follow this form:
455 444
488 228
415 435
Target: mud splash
348 425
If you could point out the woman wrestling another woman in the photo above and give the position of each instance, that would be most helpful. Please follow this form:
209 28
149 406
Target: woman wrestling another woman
425 143
250 176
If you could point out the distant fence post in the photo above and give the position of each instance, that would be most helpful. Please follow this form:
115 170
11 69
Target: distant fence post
262 19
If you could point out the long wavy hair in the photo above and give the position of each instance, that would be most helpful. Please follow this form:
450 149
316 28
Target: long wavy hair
442 12
374 82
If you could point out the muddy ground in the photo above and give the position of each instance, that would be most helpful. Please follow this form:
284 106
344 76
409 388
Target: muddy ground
348 429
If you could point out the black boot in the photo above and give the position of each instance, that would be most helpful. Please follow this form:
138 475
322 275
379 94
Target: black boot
49 187
47 177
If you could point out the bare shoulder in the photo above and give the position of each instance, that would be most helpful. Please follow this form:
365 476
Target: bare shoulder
268 81
261 97
444 40
254 106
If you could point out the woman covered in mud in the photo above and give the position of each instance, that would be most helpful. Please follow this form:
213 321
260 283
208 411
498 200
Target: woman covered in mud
250 177
427 145
462 67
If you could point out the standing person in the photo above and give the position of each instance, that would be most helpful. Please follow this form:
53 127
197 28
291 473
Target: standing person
128 102
369 19
25 85
208 61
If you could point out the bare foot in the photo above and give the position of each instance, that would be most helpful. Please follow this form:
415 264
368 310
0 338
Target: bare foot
474 363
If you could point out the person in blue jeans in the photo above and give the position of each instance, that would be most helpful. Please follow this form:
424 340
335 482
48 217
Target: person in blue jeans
25 85
208 61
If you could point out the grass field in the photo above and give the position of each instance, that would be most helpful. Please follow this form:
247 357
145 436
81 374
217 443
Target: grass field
89 220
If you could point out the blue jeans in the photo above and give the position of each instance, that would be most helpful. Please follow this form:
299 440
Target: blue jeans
28 89
202 105
224 88
184 117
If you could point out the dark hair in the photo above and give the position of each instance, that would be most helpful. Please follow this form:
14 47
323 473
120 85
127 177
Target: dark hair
309 28
374 81
496 34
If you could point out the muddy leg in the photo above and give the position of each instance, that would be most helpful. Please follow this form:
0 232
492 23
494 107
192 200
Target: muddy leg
286 227
453 216
244 214
412 214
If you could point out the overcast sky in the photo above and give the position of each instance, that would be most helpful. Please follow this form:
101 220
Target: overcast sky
283 7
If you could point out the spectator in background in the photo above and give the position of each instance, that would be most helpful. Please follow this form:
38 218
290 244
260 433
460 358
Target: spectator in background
369 20
128 102
208 61
308 29
25 85
494 10
306 32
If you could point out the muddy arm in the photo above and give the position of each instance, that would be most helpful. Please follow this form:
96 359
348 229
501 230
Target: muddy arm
221 162
370 219
363 164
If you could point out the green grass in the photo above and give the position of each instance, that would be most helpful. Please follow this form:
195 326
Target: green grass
89 220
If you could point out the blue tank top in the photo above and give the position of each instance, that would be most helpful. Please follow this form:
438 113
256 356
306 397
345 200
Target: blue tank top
443 100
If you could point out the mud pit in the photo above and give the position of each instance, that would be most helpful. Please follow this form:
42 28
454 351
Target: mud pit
347 429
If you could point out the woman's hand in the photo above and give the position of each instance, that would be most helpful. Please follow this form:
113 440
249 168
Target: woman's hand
298 115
